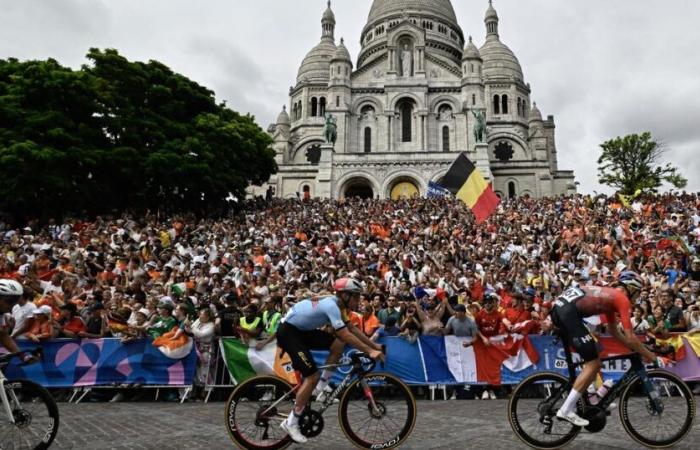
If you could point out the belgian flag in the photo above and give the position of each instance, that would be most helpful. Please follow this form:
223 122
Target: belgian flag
467 184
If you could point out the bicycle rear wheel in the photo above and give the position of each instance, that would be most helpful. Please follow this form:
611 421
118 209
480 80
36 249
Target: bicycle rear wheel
35 417
645 424
386 427
254 413
532 411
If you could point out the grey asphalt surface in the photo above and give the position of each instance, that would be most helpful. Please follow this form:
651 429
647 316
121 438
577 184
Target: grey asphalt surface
441 425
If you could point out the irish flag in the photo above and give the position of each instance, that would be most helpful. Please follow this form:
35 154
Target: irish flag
243 361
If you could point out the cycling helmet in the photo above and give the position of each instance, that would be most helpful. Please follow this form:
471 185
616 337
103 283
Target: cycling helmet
348 285
10 288
491 297
631 279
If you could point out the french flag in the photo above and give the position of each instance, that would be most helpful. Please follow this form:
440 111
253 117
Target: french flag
421 292
447 359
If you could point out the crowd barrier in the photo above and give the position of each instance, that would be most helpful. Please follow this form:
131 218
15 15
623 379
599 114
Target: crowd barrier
431 361
89 364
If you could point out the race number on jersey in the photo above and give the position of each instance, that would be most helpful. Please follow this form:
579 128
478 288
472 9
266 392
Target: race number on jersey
570 296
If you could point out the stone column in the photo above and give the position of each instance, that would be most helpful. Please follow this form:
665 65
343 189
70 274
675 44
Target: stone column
419 131
324 179
424 143
481 160
389 132
420 60
392 61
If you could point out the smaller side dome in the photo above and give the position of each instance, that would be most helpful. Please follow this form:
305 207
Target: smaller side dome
341 53
317 63
283 118
470 51
535 114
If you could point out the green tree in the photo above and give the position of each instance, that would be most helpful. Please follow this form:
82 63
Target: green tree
120 135
632 163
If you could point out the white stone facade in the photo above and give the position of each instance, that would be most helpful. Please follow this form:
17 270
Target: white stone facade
406 110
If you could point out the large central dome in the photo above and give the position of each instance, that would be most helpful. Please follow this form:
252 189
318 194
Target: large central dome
383 8
436 17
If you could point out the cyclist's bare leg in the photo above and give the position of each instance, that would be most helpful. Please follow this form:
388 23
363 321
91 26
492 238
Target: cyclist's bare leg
585 378
587 375
303 396
336 351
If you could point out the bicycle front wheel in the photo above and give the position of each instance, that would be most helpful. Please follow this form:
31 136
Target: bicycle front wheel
35 416
385 426
662 424
532 411
255 410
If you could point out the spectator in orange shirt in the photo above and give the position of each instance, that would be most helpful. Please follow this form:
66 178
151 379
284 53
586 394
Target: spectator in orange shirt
8 271
152 269
490 320
70 323
64 264
41 328
369 323
108 274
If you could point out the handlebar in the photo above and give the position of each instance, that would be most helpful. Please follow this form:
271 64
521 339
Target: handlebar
362 362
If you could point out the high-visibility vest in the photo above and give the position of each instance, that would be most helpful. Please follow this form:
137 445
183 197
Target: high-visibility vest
249 326
271 321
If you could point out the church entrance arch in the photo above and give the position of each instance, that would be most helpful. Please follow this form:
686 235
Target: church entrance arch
404 187
358 188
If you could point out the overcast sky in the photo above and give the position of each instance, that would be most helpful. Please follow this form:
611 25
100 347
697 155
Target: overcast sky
603 68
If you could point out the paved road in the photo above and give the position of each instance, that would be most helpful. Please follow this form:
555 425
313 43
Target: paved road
441 425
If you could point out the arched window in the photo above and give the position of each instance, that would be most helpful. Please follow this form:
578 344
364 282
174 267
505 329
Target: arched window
322 107
496 104
473 99
472 67
445 138
295 111
368 140
337 101
504 101
511 190
406 110
314 107
299 110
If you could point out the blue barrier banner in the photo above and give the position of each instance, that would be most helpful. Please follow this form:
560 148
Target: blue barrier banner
403 359
102 362
508 360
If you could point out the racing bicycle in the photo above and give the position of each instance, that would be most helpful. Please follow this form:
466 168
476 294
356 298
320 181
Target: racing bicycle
656 408
28 413
376 410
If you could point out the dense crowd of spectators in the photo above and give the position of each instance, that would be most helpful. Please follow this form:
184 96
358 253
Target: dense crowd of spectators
426 267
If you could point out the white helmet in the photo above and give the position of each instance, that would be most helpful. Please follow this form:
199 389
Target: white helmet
10 288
